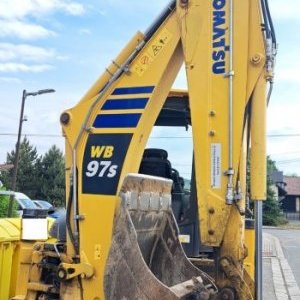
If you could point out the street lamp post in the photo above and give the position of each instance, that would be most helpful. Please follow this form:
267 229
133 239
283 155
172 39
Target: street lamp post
17 154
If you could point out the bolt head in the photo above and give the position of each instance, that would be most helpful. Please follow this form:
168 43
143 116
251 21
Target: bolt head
65 118
184 2
211 210
256 58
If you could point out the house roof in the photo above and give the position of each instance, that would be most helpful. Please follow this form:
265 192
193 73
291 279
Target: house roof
277 177
6 167
292 185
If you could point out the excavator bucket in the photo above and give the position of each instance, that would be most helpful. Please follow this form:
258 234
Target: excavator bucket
146 260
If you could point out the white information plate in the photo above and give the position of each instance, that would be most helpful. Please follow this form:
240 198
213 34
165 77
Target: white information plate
216 166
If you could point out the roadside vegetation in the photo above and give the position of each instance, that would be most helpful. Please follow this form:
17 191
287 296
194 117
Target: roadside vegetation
4 201
272 214
39 176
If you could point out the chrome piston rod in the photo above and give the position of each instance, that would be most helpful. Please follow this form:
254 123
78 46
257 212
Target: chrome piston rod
230 75
258 250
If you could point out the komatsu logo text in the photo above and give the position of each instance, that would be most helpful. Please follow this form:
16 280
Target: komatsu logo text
219 40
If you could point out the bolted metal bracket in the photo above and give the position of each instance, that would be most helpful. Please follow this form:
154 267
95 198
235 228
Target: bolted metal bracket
234 275
68 271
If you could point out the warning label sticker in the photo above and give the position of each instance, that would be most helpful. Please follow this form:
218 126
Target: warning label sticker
151 52
216 167
146 59
156 49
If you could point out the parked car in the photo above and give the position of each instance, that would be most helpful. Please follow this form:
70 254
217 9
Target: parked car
43 204
52 211
57 213
24 202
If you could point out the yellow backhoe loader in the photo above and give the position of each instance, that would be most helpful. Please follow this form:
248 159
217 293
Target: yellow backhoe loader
127 212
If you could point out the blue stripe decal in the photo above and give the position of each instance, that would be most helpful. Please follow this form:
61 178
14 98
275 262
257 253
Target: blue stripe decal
134 90
139 103
117 121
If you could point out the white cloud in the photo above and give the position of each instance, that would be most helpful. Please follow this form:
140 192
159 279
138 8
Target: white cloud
62 57
24 52
10 80
14 16
19 67
72 8
17 9
289 74
85 31
288 9
23 30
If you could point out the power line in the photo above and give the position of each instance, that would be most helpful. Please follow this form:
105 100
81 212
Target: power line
284 153
153 137
283 135
190 137
291 161
34 135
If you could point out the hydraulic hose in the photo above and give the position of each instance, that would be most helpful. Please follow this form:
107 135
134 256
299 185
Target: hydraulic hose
68 223
149 33
273 33
160 19
265 18
270 92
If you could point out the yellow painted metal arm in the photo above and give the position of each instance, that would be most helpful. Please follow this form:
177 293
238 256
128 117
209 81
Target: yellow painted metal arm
258 141
107 135
221 41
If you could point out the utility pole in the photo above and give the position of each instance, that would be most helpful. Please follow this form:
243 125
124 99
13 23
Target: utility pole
17 154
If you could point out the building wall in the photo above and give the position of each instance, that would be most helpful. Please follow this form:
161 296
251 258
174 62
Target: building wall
289 204
274 188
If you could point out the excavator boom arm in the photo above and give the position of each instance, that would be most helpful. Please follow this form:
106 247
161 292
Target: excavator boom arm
115 216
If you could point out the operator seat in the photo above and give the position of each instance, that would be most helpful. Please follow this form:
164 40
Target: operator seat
155 163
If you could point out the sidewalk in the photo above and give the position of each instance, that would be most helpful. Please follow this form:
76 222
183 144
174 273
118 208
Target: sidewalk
279 280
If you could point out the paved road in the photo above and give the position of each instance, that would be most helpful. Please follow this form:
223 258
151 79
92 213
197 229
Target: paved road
290 243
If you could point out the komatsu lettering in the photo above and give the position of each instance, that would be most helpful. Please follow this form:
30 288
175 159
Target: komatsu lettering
218 39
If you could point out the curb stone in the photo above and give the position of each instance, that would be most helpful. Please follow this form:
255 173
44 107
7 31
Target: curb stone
285 285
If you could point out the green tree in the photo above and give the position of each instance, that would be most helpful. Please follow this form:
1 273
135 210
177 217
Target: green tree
4 201
27 176
39 177
271 207
52 177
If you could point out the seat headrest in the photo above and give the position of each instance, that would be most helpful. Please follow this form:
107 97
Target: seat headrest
155 153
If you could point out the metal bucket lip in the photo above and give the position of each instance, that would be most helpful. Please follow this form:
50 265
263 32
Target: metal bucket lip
145 243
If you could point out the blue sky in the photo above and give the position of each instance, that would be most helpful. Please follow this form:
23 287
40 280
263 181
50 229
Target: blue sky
66 45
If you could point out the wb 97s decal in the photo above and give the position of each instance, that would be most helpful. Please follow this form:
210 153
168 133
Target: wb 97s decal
103 162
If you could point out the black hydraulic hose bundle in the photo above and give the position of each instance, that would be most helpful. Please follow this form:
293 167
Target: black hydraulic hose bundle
268 22
273 33
148 35
68 223
265 18
160 19
270 34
